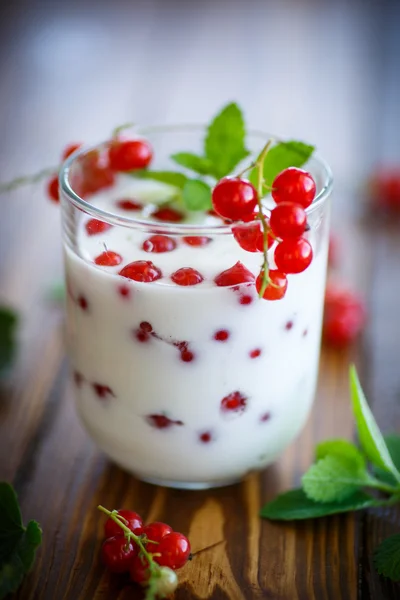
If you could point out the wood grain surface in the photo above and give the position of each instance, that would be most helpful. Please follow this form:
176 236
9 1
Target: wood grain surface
323 71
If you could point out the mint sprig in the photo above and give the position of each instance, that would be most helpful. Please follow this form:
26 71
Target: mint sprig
8 325
343 477
18 544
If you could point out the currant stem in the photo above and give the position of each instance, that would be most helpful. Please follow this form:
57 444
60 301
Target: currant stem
120 128
9 186
130 535
260 176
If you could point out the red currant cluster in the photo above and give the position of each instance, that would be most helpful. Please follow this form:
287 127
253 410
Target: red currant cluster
150 553
293 190
98 170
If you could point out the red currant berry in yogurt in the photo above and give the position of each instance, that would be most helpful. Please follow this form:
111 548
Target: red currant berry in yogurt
108 259
187 276
236 403
293 255
131 519
129 155
161 421
52 189
234 198
159 243
288 220
277 286
234 276
196 241
221 335
129 204
141 270
168 214
174 549
94 227
294 185
117 553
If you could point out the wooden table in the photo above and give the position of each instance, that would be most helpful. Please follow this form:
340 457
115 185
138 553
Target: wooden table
327 72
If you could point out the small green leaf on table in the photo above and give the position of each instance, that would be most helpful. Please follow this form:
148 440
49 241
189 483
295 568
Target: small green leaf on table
295 505
371 439
177 180
191 161
196 195
224 144
17 544
8 324
334 478
280 157
387 558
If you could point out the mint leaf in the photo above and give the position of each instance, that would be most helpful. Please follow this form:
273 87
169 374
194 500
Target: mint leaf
224 145
340 448
280 157
387 558
294 505
17 544
393 445
170 177
56 292
333 479
196 195
371 439
191 161
8 324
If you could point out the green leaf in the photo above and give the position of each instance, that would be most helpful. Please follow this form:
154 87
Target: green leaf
371 439
196 195
195 163
280 157
8 324
294 505
341 448
170 177
17 544
393 445
387 558
56 292
333 478
224 145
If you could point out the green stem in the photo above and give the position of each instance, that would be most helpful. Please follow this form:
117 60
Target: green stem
383 487
260 179
8 186
129 534
120 128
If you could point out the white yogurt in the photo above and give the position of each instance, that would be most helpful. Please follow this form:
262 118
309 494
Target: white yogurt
125 386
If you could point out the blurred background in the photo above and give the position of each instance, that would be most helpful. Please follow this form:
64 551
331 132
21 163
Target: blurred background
324 71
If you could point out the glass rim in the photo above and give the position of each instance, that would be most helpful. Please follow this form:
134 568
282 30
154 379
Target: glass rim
173 228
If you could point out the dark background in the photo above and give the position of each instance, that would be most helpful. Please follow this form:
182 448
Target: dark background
327 72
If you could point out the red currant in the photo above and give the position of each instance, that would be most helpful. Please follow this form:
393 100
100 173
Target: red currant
187 276
131 519
94 227
234 198
206 437
186 354
117 553
174 549
96 178
82 302
70 149
129 204
168 214
247 235
108 259
255 353
221 335
141 270
139 569
102 391
385 188
159 243
52 189
288 220
196 240
129 155
293 255
294 185
234 402
344 316
234 276
155 532
161 422
276 291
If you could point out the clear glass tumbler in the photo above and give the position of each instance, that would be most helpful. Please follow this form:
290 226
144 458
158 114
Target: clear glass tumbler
185 386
